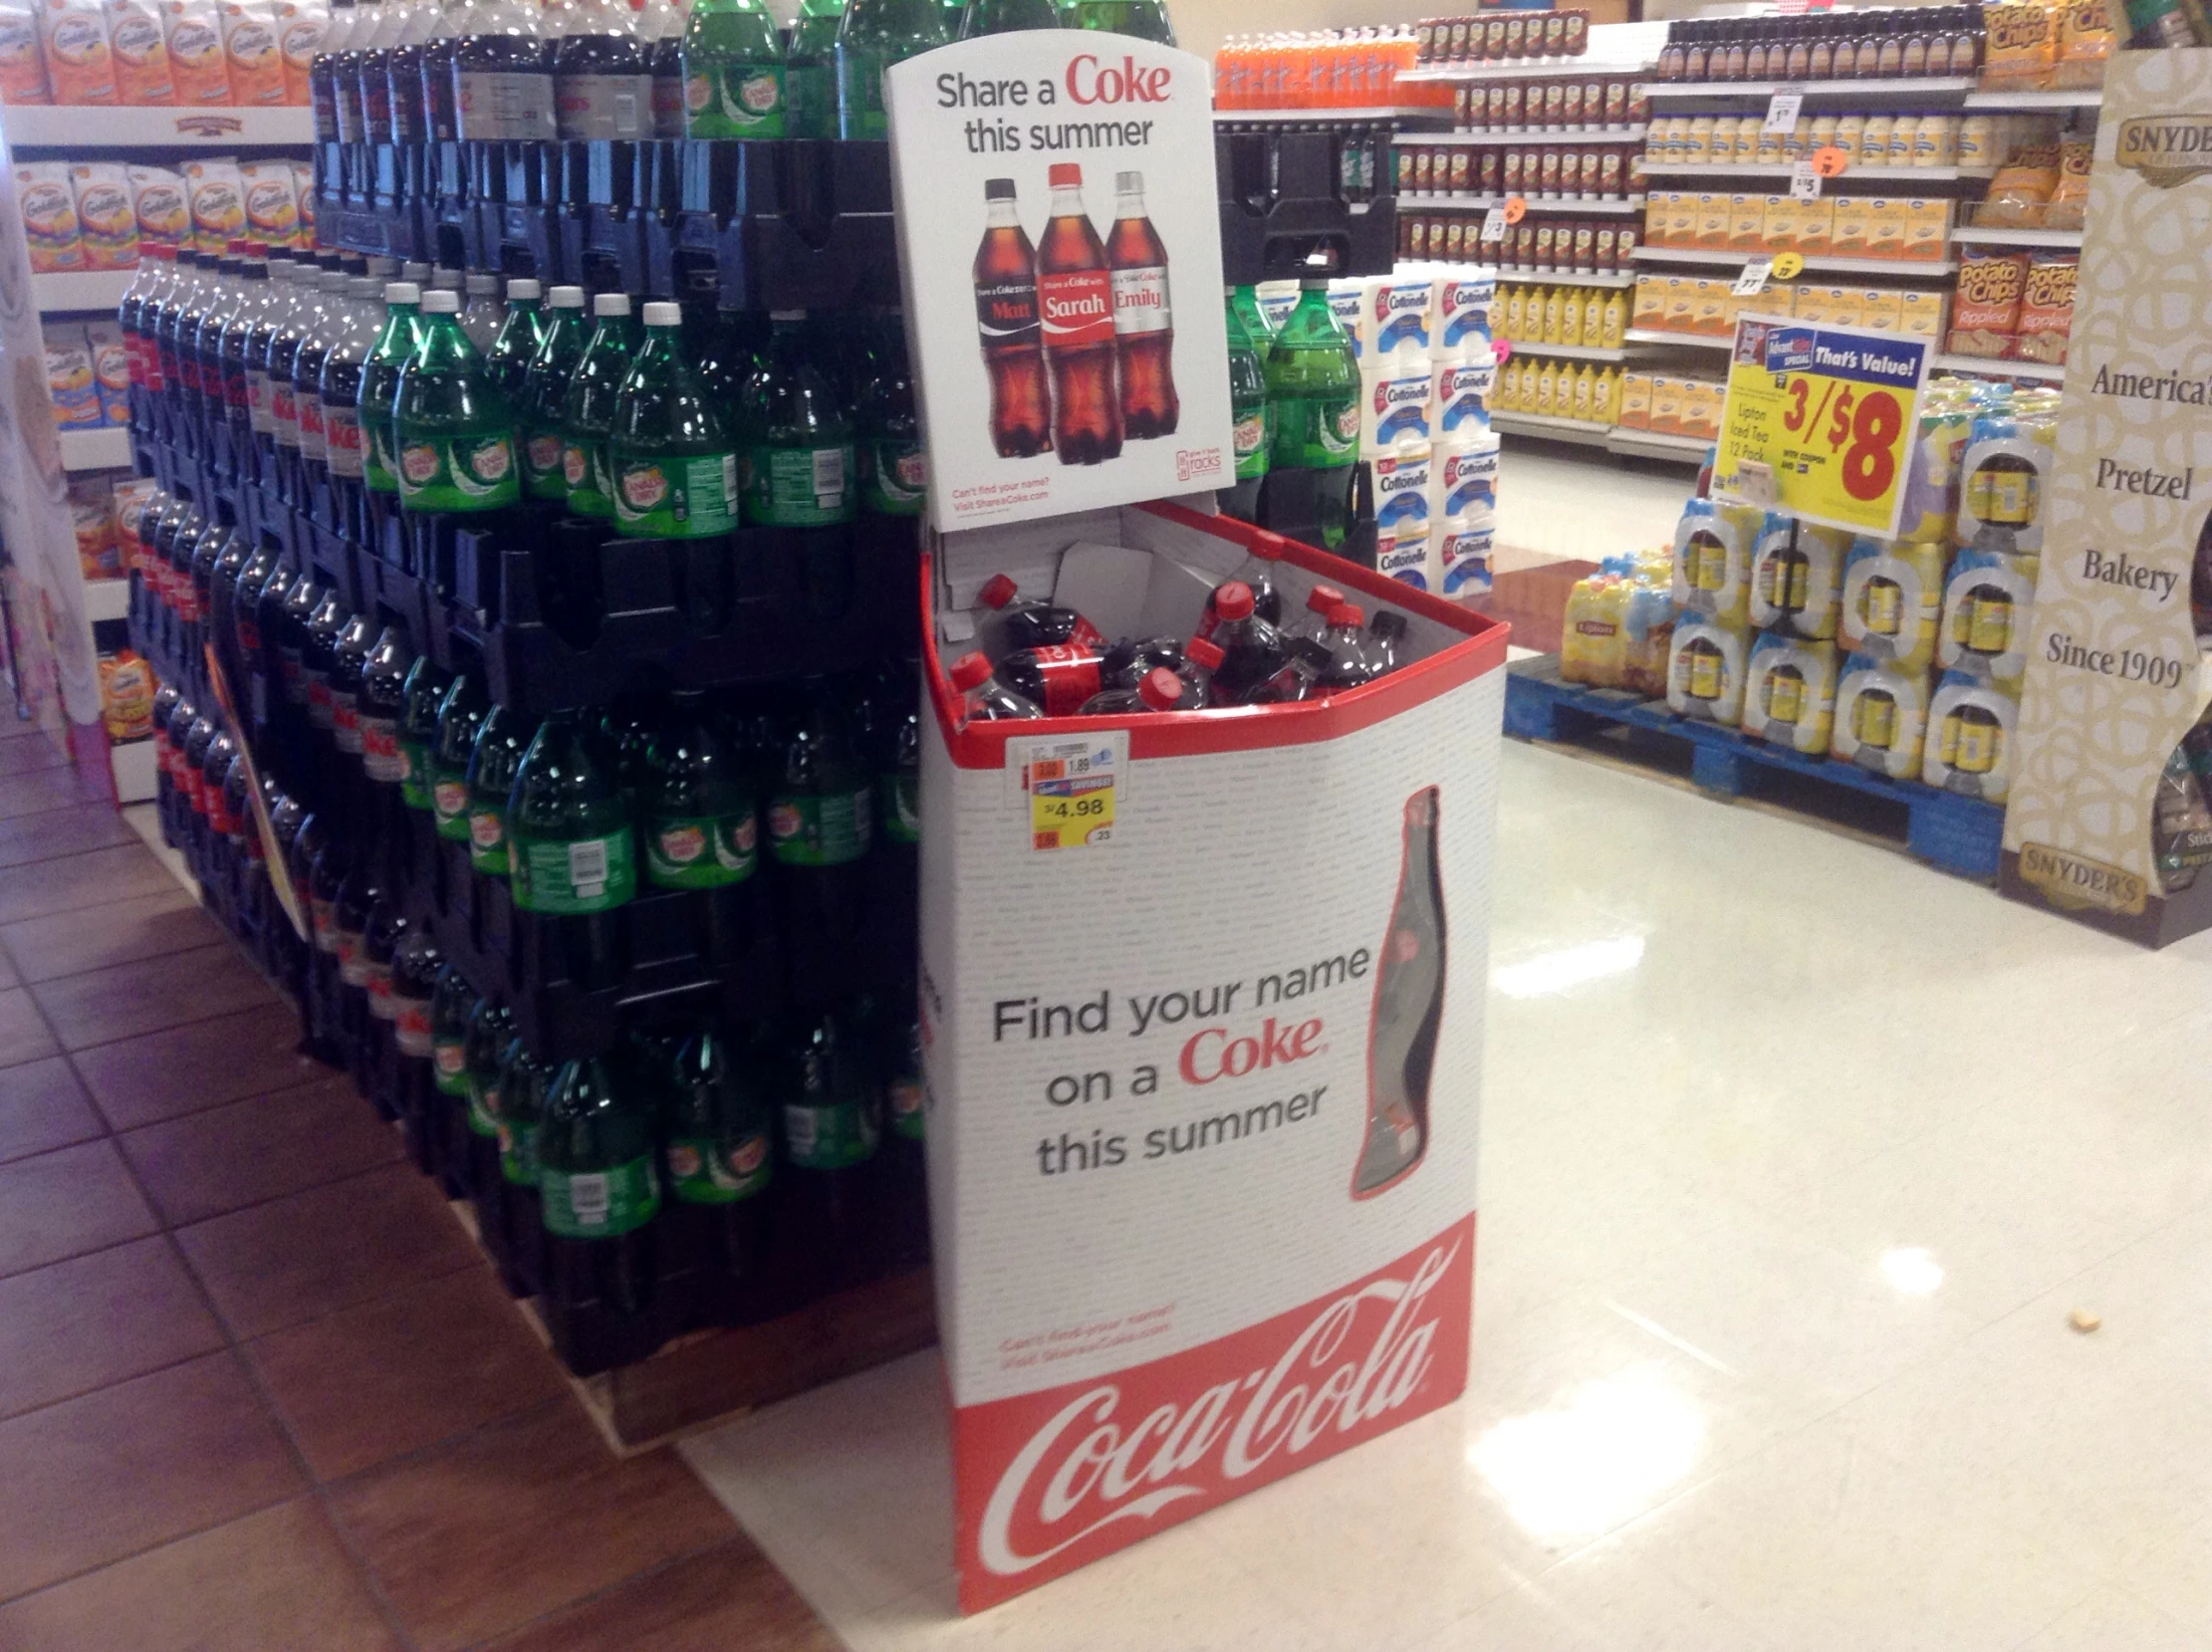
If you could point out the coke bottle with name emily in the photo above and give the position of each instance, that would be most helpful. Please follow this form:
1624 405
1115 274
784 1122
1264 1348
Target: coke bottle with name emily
1143 318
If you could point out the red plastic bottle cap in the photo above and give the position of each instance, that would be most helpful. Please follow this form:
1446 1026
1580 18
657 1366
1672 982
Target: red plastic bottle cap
1160 689
1065 174
970 671
1203 650
1233 600
997 592
1268 547
1324 599
1345 613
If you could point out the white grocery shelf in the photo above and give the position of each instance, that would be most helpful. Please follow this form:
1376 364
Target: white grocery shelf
1307 116
1657 444
1982 367
96 449
1572 353
1871 174
136 773
165 128
1815 263
1567 278
1948 85
1975 235
2087 98
1550 426
1537 135
80 290
1432 202
1524 69
106 599
1693 340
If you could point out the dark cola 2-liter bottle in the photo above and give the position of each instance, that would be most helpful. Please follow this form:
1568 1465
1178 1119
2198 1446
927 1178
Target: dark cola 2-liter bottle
1409 1009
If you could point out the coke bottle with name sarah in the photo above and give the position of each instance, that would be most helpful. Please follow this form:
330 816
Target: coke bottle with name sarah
1074 304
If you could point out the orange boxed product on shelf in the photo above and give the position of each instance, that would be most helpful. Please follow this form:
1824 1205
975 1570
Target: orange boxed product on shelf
1879 307
195 36
1886 227
2087 38
126 689
107 222
143 76
159 202
2070 198
300 30
1711 231
217 196
271 201
111 370
1649 309
1632 411
1922 313
131 495
1927 231
48 206
2046 307
1680 315
1984 314
1667 393
79 65
92 515
2021 50
22 60
251 52
69 384
1747 222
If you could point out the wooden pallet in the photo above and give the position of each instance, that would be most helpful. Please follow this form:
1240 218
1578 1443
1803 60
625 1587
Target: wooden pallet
1958 834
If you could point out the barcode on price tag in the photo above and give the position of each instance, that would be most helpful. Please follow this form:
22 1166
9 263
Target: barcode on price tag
1805 182
1494 224
1782 110
1070 788
1753 281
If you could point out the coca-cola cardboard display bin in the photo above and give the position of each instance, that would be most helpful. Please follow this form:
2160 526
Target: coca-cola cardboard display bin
1202 1004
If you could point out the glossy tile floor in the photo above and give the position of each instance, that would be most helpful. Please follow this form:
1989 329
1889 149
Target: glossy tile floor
257 1391
1796 1158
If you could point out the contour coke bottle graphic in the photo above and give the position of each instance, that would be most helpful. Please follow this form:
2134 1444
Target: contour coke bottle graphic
1006 316
1075 295
1408 1006
1143 318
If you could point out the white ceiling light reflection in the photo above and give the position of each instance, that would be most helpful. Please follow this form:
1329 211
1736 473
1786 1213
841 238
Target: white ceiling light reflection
1911 1271
1567 966
1602 1458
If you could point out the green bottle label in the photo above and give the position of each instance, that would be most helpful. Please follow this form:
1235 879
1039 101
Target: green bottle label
518 1152
860 93
829 1137
414 776
1250 435
897 477
815 830
735 100
564 876
702 851
676 496
703 1170
809 100
459 473
591 489
483 1120
449 801
801 487
1316 432
599 1204
487 840
450 1065
544 464
380 465
899 799
906 1098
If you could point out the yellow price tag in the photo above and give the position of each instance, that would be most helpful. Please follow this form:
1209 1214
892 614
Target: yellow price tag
1830 414
1073 786
1787 265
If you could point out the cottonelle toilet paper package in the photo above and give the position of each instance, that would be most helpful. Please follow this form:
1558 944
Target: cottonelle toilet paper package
1394 404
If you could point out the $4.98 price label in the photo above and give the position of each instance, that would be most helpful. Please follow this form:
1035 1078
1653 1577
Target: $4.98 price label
1071 788
1830 414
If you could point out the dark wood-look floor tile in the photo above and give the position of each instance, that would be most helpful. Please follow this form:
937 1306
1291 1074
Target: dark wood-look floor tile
362 1386
26 756
203 1065
116 932
278 1264
731 1596
243 1152
66 1203
59 831
74 881
24 1035
125 1000
53 789
517 1521
76 1325
41 1107
91 1479
275 1581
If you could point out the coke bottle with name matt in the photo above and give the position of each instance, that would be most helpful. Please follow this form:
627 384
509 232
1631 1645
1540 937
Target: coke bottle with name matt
1006 315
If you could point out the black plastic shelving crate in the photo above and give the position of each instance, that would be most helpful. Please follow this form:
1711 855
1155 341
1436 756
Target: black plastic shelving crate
793 223
1286 210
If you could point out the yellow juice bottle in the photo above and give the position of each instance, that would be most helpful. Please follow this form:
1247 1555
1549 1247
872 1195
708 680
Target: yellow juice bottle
1581 406
1505 392
1509 317
1555 315
1615 321
1593 319
1605 396
1545 390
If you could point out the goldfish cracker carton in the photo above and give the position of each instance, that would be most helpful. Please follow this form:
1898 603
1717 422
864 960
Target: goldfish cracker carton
1796 577
49 207
1705 671
126 689
143 77
1927 231
303 190
1921 313
217 196
1879 307
249 28
1632 411
301 26
108 226
69 377
159 202
1712 560
110 369
1886 228
272 206
22 59
80 64
1594 631
92 515
1666 405
194 32
1649 309
131 495
1970 738
1882 717
1852 226
1892 599
1790 692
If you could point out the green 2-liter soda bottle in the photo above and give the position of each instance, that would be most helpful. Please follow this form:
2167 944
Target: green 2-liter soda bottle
456 440
500 743
675 459
695 801
1247 418
820 819
874 34
1244 303
545 388
733 70
379 386
588 408
1145 19
810 70
799 471
460 716
1001 17
600 1188
720 1160
420 698
1313 404
572 831
490 1028
521 330
894 479
522 1105
452 1000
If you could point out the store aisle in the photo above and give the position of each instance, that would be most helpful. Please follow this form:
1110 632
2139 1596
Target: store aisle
257 1391
1557 513
1796 1158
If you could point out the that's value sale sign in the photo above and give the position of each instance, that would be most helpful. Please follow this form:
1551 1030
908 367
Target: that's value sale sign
1819 421
1060 247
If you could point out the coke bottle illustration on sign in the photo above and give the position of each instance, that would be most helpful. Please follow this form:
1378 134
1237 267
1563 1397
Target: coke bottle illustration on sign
1143 320
1006 315
1074 298
1408 1005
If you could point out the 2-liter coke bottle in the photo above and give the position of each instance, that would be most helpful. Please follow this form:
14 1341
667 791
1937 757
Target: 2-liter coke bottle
1006 315
1074 303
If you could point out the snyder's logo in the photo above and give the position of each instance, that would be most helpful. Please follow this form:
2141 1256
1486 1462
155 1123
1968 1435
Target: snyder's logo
1085 1470
2167 150
209 126
2073 882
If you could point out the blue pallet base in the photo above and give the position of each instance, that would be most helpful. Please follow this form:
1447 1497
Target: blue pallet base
1963 836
